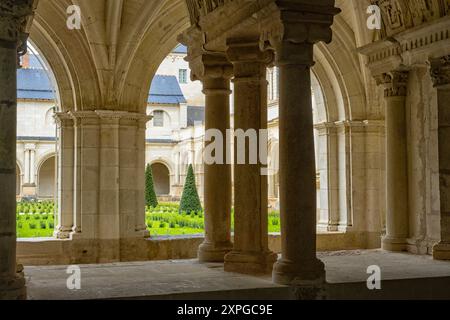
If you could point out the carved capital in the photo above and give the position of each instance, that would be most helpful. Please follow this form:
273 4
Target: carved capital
211 66
63 119
440 71
14 24
395 83
249 61
295 26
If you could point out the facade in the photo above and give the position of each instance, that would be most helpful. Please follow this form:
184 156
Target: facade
364 159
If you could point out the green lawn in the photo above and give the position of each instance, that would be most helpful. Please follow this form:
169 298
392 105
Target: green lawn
38 220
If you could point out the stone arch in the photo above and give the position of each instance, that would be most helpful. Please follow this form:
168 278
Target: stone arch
46 176
160 38
161 178
68 56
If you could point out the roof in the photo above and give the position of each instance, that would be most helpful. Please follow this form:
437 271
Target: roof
34 84
195 115
180 49
165 90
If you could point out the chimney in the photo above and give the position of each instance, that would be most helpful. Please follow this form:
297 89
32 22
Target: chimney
26 61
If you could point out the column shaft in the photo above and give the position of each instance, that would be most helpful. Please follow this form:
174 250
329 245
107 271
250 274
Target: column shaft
396 176
8 124
440 73
217 176
297 177
397 223
250 251
65 176
13 21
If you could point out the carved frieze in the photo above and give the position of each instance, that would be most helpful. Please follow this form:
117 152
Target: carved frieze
440 71
399 15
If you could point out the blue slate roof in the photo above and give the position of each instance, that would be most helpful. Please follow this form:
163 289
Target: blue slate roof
34 84
180 49
165 90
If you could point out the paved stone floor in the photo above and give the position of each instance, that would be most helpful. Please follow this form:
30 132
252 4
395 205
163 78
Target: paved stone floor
187 279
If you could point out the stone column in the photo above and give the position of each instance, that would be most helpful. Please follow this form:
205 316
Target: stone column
440 72
65 175
27 166
215 75
397 223
108 219
86 175
250 251
140 226
33 168
292 33
13 20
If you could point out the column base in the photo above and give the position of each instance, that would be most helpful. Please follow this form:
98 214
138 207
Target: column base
303 274
250 262
310 290
441 251
213 252
13 288
63 234
394 244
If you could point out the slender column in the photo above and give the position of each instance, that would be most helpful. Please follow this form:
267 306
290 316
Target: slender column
86 175
140 226
65 175
27 165
250 251
292 32
13 19
109 179
298 202
33 166
440 72
216 76
397 230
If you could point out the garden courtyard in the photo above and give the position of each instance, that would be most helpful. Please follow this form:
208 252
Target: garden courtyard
37 219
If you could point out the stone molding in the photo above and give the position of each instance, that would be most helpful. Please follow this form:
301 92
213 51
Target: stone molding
440 71
389 54
350 124
105 114
395 83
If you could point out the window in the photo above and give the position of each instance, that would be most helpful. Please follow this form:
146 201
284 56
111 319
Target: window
182 78
158 119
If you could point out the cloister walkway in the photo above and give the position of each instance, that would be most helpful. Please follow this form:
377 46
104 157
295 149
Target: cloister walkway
188 279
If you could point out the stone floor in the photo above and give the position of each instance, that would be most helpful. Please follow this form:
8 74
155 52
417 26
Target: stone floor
404 276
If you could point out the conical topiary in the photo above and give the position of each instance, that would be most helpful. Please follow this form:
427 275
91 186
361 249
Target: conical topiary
150 195
190 202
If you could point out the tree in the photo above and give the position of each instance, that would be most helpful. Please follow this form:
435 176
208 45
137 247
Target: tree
190 202
150 195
